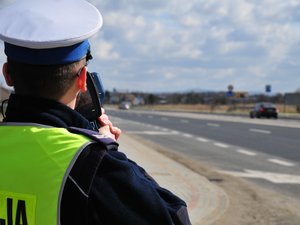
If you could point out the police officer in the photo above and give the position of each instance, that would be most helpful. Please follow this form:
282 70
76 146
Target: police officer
55 168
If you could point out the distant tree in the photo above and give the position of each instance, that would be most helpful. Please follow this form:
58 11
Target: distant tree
174 98
107 96
151 99
191 98
278 98
297 106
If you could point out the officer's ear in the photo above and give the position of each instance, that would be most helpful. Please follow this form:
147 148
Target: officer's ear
6 74
81 80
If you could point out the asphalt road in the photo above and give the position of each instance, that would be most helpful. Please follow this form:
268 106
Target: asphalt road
264 151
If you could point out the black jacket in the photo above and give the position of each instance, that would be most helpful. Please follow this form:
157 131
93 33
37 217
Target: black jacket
104 187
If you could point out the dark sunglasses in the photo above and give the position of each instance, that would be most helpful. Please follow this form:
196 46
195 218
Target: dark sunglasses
88 57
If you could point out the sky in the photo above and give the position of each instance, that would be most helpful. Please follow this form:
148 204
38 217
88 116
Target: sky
172 45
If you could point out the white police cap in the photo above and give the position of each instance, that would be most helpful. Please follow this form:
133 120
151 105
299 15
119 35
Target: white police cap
48 31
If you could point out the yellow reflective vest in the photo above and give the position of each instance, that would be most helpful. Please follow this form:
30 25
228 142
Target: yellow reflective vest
34 164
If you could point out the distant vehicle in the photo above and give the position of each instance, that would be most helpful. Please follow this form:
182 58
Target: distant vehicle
264 109
125 105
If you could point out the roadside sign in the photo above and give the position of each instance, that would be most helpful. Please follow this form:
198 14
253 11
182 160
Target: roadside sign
268 88
229 94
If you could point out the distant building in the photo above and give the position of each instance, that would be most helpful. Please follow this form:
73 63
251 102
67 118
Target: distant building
125 96
138 101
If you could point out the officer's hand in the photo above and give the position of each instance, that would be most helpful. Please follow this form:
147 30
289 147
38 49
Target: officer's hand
107 127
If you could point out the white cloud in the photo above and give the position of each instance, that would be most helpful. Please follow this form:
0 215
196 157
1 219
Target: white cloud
169 76
105 51
191 20
140 22
199 43
229 47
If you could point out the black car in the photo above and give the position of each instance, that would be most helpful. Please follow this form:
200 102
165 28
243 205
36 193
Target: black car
264 109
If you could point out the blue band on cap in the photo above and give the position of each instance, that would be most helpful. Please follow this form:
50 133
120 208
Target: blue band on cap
61 55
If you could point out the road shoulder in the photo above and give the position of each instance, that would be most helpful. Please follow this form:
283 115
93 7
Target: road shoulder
220 199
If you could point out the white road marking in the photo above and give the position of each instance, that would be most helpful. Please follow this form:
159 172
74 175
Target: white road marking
149 132
187 135
165 129
202 139
277 178
213 125
150 117
221 145
184 121
260 131
174 132
164 118
281 162
245 152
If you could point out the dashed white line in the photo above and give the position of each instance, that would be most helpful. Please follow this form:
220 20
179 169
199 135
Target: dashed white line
174 132
202 139
281 162
245 152
184 121
221 145
213 125
260 131
164 118
149 132
187 135
165 131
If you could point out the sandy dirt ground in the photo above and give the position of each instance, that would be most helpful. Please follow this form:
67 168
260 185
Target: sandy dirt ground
248 203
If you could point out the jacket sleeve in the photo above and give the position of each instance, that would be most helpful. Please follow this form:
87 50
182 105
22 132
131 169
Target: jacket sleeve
123 193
